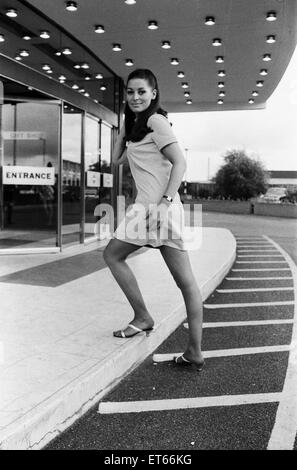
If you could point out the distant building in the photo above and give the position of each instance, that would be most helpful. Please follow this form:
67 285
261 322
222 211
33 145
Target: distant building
287 179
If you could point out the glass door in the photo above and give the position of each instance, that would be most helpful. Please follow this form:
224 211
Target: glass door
92 174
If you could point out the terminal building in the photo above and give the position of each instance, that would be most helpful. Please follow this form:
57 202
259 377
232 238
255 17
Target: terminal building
63 66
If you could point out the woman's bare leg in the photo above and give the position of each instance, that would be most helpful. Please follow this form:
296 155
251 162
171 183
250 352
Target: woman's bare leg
115 255
179 265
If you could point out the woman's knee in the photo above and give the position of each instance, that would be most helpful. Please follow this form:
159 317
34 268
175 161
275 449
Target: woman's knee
110 256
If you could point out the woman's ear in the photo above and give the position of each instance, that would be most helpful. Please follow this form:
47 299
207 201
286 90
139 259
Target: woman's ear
155 94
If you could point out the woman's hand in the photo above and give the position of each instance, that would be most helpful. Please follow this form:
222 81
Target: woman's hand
156 215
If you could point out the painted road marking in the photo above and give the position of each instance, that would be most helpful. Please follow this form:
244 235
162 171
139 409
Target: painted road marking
256 251
261 262
260 269
243 323
184 403
285 427
227 352
264 289
260 256
257 278
253 304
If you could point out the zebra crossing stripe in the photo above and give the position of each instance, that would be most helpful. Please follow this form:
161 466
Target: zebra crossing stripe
186 403
260 256
262 262
228 324
250 304
257 278
260 269
264 289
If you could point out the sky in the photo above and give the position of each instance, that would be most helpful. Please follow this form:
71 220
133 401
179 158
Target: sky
269 135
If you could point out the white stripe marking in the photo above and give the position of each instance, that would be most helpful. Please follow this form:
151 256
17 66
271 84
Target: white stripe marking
227 352
261 262
228 324
246 250
260 269
285 427
260 256
185 403
258 289
255 304
257 278
254 245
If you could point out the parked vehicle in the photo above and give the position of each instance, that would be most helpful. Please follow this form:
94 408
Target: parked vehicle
277 195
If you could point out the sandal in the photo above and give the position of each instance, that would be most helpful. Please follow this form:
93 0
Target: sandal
137 331
182 361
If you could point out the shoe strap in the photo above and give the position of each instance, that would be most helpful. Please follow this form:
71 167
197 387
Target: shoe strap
134 327
184 359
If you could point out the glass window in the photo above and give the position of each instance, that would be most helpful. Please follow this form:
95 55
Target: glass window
92 174
107 177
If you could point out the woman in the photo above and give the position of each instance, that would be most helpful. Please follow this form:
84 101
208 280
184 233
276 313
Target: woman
157 166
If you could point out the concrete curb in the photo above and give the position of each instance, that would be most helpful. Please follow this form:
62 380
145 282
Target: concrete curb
37 428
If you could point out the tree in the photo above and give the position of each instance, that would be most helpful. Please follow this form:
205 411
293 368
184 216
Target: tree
240 177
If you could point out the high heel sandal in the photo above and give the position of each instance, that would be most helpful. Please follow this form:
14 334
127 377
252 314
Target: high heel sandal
183 362
137 331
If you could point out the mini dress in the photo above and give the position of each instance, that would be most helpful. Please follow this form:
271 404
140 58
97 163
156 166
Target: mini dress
151 172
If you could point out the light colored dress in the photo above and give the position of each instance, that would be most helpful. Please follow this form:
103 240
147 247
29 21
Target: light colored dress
151 172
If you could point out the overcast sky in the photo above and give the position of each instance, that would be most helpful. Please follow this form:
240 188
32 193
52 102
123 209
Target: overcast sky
270 134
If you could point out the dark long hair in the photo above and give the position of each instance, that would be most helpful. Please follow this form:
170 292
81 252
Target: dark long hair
137 130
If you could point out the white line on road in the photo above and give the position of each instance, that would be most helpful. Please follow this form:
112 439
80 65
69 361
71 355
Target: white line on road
257 278
246 250
185 403
260 269
226 324
253 304
260 256
227 352
285 427
258 289
262 262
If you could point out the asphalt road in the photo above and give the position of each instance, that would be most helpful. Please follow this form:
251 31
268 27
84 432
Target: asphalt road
242 426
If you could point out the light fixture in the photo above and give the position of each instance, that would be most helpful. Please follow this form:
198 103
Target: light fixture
46 67
267 57
88 77
174 61
220 59
189 102
220 101
71 6
96 101
271 16
116 47
87 94
217 42
251 101
130 2
11 12
44 34
271 39
255 93
221 73
26 37
187 94
260 83
66 51
77 66
166 45
129 62
82 90
210 20
85 66
99 76
24 53
152 25
58 53
49 71
2 38
180 74
185 85
99 28
30 88
263 72
62 77
18 57
103 88
221 84
221 94
75 86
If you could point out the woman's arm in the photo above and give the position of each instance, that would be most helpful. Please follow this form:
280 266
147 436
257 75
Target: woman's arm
119 154
175 155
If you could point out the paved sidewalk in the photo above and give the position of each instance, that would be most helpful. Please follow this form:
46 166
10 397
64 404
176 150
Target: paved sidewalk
57 317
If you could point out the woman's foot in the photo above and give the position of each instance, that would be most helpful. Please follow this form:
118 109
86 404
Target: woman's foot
134 328
184 362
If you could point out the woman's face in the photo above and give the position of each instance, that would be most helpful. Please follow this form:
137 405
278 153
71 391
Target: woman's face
139 94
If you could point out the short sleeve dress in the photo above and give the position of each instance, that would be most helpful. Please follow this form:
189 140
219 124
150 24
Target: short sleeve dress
151 172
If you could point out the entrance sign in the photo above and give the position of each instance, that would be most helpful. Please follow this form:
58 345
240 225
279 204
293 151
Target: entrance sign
107 180
10 135
93 179
29 175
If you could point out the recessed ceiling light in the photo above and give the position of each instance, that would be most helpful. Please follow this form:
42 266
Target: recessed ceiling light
222 93
98 76
187 94
251 101
180 74
217 42
116 47
130 2
49 71
66 51
221 84
44 34
271 39
264 72
30 88
58 53
260 83
18 57
87 94
85 65
220 59
99 28
71 6
62 77
174 61
189 102
267 57
255 93
26 37
75 86
210 20
82 90
271 16
221 73
220 101
96 101
185 85
24 53
88 77
46 67
11 12
129 62
153 25
103 88
166 45
2 38
77 66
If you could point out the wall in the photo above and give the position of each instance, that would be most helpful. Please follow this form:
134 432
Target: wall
276 210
